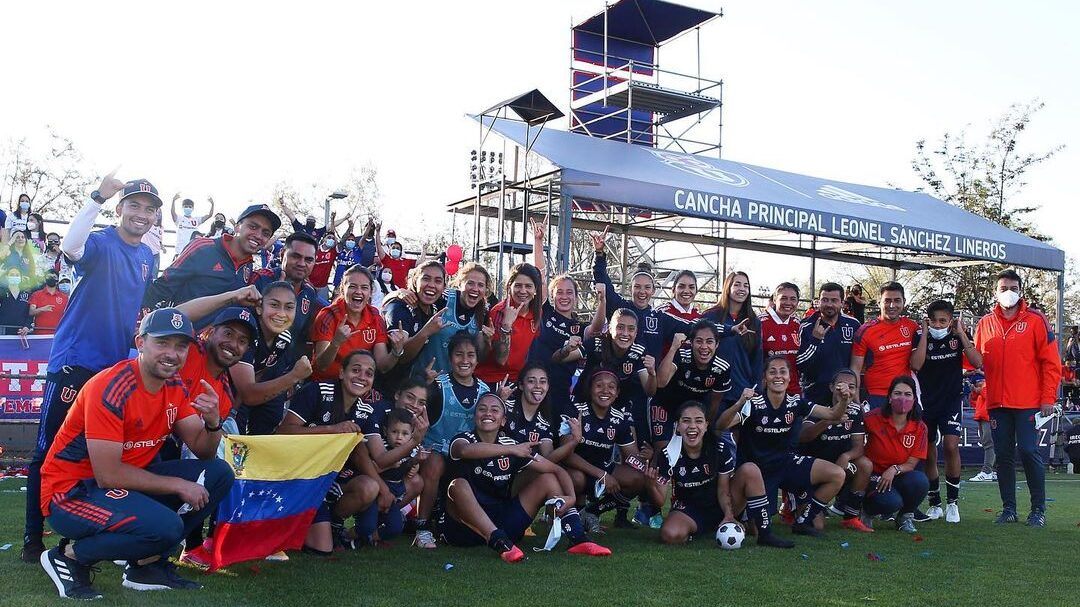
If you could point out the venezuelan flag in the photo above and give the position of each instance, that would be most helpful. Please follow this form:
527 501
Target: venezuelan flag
280 482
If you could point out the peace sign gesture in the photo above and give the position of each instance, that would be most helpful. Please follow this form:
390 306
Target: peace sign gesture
539 229
505 388
110 185
742 328
598 240
397 337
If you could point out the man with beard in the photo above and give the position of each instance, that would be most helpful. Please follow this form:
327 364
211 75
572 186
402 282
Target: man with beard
298 259
95 333
825 340
209 266
105 491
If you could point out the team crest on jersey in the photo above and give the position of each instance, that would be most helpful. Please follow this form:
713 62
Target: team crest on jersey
847 425
789 417
909 441
305 305
67 394
369 335
504 463
847 332
270 360
705 467
247 274
171 414
764 419
239 454
651 323
145 271
326 416
954 344
627 368
795 337
611 433
116 494
905 332
784 337
575 329
534 437
682 470
177 320
1021 326
709 381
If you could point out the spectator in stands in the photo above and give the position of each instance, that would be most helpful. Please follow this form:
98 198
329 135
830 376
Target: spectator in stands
50 255
393 257
14 305
187 221
324 265
368 243
1069 384
115 267
16 221
347 257
308 227
152 239
47 305
855 303
384 286
18 253
219 227
35 227
3 223
210 266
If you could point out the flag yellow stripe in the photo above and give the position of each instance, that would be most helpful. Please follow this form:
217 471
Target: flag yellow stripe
290 456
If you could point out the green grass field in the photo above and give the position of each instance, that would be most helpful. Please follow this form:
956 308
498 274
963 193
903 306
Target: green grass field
973 563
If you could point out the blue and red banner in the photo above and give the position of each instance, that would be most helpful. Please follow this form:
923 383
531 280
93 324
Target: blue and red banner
20 398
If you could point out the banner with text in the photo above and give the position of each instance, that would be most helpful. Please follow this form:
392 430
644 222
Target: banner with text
20 398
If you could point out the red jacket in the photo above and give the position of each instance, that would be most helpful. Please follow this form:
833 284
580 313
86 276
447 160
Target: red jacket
1020 359
779 338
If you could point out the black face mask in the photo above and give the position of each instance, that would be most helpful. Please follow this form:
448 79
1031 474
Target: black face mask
310 224
219 224
50 282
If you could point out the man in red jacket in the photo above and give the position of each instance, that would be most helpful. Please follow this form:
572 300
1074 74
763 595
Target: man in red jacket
1022 367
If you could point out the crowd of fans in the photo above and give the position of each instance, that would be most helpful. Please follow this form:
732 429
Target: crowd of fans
477 411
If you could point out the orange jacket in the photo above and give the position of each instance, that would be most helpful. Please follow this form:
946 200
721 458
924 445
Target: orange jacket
1020 359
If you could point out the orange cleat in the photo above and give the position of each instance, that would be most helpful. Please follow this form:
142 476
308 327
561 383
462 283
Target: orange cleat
513 555
855 524
589 549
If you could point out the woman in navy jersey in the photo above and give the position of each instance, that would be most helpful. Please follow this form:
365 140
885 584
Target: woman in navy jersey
529 416
559 327
481 505
691 373
744 353
706 490
684 288
767 438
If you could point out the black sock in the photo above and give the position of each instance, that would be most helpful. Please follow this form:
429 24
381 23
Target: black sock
952 488
621 512
499 541
812 509
934 495
572 528
757 507
422 524
853 504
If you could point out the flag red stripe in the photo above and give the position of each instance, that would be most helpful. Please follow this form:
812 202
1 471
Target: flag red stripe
250 540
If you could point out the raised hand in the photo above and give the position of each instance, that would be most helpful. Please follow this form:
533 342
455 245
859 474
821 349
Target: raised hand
958 326
819 328
420 425
575 428
110 185
925 327
342 334
573 343
429 371
649 363
247 296
505 388
510 313
206 404
742 328
523 450
678 339
488 331
302 368
601 292
397 338
434 324
175 197
539 229
598 240
747 394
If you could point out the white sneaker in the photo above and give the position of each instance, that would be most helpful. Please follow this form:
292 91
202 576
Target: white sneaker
952 513
424 539
993 476
934 513
981 477
278 556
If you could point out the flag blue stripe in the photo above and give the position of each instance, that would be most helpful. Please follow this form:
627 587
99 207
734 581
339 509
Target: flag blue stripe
261 500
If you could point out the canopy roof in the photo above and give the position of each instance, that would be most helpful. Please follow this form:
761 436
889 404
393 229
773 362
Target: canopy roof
650 22
689 185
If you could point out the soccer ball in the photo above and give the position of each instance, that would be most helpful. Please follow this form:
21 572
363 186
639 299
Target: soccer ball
730 536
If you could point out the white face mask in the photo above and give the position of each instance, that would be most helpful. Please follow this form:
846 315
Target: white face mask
387 276
1008 299
938 333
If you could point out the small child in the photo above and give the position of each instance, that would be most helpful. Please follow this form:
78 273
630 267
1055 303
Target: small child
374 526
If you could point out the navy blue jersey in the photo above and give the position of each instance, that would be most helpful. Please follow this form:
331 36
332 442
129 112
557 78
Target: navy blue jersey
307 306
204 268
322 404
316 233
694 480
492 476
747 365
601 435
346 258
819 359
770 433
692 383
96 330
941 378
398 314
525 430
397 472
270 360
628 368
655 327
836 438
555 329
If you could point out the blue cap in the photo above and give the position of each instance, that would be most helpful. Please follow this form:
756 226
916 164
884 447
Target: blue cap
166 322
237 314
265 211
140 186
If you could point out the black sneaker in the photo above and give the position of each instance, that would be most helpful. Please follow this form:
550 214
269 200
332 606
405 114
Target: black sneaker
771 540
920 516
1037 519
72 578
31 550
806 528
159 575
1007 516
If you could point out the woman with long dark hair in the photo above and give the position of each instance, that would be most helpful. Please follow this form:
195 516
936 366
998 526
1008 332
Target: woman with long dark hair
559 328
895 444
744 353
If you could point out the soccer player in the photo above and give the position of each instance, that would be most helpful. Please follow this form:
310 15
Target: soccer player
882 348
101 486
684 288
843 443
188 221
450 409
692 373
415 310
592 465
557 327
210 266
297 261
351 323
780 329
529 414
705 485
333 407
941 346
95 332
1022 367
825 340
895 444
465 309
480 506
766 439
267 372
735 313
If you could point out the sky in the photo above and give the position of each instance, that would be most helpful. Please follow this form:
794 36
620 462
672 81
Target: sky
230 98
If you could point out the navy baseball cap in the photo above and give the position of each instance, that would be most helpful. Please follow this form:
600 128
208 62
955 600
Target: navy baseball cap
166 322
237 314
264 210
141 186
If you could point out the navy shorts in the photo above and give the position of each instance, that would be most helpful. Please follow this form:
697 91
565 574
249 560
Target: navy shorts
945 420
791 474
505 513
706 519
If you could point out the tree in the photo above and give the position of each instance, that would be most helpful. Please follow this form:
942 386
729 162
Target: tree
361 203
985 179
55 178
